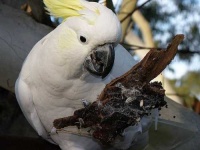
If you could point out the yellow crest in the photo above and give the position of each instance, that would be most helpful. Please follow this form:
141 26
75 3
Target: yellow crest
63 8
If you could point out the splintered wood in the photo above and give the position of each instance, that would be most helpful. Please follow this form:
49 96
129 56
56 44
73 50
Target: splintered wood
126 99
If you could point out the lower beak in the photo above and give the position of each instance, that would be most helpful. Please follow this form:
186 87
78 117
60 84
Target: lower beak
100 61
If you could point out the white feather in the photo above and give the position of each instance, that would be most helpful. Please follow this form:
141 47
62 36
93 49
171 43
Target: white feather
25 101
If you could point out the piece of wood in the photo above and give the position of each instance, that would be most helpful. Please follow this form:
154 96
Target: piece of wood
150 66
126 99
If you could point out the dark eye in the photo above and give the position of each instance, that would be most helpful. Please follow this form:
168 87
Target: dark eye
83 39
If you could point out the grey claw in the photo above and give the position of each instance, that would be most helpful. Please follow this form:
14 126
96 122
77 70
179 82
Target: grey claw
81 121
53 131
85 102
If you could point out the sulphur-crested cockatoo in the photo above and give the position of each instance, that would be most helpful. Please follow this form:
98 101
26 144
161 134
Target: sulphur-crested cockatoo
72 63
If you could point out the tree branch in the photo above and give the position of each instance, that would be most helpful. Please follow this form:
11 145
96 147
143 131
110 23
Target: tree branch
18 34
144 27
130 13
126 8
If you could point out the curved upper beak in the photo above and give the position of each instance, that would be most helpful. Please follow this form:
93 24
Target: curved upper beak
100 60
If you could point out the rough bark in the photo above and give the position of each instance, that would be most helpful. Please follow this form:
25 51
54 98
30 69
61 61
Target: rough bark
18 34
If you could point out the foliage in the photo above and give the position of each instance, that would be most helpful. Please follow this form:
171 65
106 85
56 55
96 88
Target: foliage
188 87
168 18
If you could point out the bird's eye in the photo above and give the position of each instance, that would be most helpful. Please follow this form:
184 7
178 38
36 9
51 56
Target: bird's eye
82 39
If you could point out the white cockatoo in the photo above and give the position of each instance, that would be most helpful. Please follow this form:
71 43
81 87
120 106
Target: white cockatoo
73 62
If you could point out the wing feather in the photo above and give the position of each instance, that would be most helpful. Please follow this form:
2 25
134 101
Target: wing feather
24 98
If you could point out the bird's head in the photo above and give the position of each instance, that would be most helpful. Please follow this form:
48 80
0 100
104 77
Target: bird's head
88 35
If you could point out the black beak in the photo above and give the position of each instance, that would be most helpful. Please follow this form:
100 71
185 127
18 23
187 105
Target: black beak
100 61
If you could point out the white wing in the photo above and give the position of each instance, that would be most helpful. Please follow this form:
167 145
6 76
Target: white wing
24 98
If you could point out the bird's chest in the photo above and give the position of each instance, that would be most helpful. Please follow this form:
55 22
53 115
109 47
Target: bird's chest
80 90
68 93
57 100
